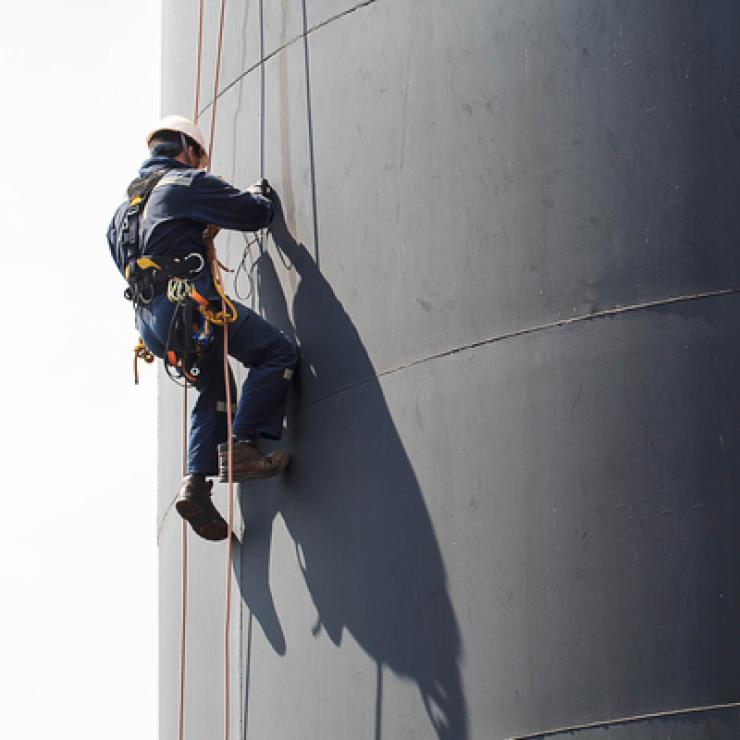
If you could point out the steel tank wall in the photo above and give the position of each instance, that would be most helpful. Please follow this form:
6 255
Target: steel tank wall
510 257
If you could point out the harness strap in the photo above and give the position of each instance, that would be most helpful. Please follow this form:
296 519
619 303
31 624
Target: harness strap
148 278
138 193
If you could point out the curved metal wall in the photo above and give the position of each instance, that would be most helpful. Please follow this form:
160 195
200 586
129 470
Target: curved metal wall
510 258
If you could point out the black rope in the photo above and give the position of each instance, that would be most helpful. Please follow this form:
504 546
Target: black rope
242 267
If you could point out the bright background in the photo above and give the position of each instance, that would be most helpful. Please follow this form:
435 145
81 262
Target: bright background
80 85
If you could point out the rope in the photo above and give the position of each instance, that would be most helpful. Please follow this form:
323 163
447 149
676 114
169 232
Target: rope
230 519
183 523
183 575
226 316
247 270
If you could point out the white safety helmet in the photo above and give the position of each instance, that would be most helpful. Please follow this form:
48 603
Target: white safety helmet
181 125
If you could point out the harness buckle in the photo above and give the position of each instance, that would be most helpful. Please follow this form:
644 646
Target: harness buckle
178 289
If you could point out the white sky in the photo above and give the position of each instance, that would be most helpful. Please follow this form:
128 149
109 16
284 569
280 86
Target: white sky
80 86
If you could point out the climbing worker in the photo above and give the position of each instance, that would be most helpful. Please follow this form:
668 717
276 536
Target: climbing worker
158 238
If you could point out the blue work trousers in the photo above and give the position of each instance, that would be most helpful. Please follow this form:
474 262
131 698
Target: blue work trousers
271 358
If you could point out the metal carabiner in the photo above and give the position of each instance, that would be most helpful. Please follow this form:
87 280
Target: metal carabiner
201 262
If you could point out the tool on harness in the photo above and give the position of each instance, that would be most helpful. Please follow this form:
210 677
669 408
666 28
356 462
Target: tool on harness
188 340
148 277
182 352
190 333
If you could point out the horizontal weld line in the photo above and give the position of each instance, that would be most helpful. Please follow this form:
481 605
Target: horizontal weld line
606 313
629 720
284 46
511 335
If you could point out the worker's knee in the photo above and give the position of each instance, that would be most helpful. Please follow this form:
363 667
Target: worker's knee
287 354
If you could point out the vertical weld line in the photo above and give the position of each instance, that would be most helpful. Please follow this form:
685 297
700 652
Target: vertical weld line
261 234
312 161
241 649
198 58
378 700
262 90
248 673
216 75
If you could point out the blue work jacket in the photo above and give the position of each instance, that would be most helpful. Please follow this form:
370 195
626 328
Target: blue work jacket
183 203
179 208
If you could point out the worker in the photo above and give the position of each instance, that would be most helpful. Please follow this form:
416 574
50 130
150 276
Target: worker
180 201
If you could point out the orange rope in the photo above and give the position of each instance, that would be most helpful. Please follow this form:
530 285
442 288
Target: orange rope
230 517
183 575
228 314
183 524
227 385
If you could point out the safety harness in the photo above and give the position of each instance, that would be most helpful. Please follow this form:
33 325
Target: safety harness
190 331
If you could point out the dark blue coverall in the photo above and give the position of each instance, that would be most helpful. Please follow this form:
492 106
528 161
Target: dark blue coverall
179 208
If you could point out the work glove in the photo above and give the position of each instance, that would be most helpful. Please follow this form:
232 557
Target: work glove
261 187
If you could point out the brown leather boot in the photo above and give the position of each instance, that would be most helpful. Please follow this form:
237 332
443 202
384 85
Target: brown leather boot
249 462
194 504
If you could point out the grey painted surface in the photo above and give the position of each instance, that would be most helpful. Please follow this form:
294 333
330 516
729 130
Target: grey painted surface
718 725
493 524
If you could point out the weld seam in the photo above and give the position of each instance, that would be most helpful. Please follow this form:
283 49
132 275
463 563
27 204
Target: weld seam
629 720
606 313
285 45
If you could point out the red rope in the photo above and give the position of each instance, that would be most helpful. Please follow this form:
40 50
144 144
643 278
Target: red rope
230 516
183 576
183 524
227 384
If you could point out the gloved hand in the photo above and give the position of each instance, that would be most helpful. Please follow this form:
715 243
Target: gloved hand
261 187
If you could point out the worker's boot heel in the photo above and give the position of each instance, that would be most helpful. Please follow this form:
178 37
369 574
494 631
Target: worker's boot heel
249 462
194 504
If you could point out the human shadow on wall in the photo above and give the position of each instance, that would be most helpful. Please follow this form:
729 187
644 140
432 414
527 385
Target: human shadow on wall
353 505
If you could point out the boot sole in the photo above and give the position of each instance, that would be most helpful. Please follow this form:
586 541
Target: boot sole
201 524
